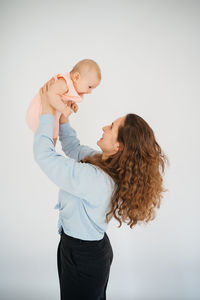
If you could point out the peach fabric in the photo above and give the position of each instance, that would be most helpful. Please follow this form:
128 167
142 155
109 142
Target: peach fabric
35 108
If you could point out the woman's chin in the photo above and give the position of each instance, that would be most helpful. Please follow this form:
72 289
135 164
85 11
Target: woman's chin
99 143
99 140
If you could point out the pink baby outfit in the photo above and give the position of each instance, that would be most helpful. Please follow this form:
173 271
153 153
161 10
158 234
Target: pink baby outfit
35 108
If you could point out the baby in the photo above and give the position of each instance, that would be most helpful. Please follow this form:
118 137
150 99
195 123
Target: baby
82 79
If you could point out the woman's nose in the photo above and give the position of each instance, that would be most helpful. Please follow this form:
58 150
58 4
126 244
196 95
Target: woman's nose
104 128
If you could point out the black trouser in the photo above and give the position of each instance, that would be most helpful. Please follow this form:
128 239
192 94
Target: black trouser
83 268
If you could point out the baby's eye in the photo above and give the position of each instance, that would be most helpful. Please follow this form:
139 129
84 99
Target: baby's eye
89 87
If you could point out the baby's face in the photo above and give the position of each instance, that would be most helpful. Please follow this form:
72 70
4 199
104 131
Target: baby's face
86 83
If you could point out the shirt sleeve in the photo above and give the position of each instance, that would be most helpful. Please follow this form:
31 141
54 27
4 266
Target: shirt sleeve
69 175
71 144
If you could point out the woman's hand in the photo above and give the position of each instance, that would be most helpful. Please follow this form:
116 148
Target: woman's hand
73 106
46 106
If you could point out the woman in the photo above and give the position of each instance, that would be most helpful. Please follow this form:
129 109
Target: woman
123 181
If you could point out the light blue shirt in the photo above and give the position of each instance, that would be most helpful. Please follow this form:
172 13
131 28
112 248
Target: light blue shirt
85 190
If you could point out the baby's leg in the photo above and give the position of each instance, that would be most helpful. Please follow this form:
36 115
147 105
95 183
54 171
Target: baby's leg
33 113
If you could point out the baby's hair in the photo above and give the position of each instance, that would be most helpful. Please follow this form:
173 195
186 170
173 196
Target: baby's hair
87 65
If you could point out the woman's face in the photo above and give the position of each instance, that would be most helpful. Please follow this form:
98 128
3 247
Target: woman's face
108 143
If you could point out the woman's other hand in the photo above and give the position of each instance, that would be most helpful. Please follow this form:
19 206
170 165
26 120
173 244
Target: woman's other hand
46 106
72 106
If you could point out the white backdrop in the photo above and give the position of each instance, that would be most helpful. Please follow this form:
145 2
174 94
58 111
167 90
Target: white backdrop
148 52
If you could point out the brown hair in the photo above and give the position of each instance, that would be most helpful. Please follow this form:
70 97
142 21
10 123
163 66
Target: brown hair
136 170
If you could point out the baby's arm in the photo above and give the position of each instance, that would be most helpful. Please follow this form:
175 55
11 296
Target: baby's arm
56 90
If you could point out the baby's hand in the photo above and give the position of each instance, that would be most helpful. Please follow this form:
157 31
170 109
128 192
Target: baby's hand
72 105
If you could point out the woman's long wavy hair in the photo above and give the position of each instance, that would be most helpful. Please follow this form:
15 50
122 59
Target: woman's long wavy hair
137 171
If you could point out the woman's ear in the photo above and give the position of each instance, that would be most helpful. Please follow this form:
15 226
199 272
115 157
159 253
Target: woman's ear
119 147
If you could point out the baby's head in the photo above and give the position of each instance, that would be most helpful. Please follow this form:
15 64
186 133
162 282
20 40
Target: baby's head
86 76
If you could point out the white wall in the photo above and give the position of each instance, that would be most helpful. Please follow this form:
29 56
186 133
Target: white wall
149 55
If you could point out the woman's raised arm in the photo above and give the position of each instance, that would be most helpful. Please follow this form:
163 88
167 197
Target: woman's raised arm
71 144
